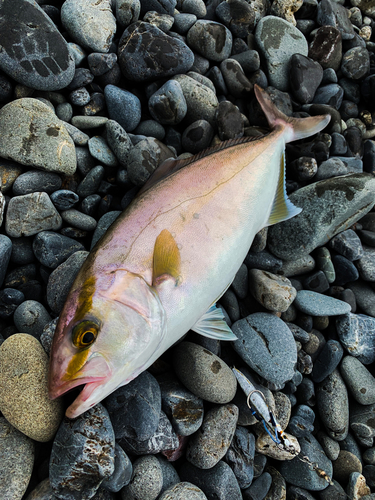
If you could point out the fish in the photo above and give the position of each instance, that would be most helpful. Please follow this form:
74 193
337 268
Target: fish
163 264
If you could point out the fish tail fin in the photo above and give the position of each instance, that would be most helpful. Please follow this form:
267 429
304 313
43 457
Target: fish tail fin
296 128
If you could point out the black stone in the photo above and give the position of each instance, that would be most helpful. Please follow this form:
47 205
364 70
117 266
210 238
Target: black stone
51 249
345 270
305 77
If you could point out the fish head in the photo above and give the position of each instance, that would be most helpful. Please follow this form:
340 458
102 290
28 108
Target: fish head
107 332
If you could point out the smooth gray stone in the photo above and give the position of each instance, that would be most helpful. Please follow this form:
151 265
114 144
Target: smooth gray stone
299 266
31 317
347 244
366 264
51 147
30 214
183 491
78 219
359 380
103 225
203 36
79 137
34 180
357 334
5 254
123 107
364 296
147 479
240 456
267 345
100 150
333 406
278 49
328 207
119 141
211 442
91 182
63 199
88 122
51 249
61 279
330 446
259 488
17 461
90 23
144 158
317 304
300 473
168 104
38 58
361 420
328 359
324 263
217 483
170 476
47 335
89 439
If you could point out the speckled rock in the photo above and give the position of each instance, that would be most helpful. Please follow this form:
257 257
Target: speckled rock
203 373
146 481
359 380
275 293
90 23
278 49
33 135
357 334
144 158
146 53
168 104
183 491
51 249
211 442
42 59
24 397
31 317
351 196
17 459
211 40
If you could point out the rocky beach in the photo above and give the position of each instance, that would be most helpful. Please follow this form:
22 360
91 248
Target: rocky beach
94 96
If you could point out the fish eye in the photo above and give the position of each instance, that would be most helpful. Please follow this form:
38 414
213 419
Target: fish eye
84 334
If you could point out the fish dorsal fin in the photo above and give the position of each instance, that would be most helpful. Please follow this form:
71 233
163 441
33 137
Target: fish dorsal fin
167 259
213 326
282 208
172 165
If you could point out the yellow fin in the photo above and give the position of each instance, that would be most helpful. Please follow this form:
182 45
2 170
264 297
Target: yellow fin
167 258
282 208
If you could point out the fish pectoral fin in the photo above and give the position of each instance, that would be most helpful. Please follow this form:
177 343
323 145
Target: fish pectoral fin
283 208
167 260
213 326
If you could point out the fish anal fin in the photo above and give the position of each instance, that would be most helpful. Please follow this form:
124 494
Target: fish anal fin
167 259
282 208
213 326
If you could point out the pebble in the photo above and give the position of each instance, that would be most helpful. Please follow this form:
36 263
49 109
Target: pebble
79 220
236 81
197 136
83 454
168 105
316 304
263 260
271 355
17 458
90 24
326 47
123 107
345 270
316 282
330 446
203 373
259 488
239 17
359 380
100 150
344 465
24 400
366 264
275 293
327 360
31 317
333 406
143 397
211 442
300 474
88 122
144 158
183 491
146 481
355 63
219 482
364 296
286 41
357 487
210 39
183 408
33 181
240 456
355 333
51 147
61 279
103 224
141 58
42 59
5 254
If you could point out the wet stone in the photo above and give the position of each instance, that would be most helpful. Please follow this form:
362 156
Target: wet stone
183 491
78 220
333 167
316 282
333 406
236 81
201 101
286 41
83 454
219 482
163 440
240 456
300 474
328 359
183 408
204 373
305 77
197 136
63 199
51 249
355 63
88 122
40 58
238 16
359 380
100 150
79 97
357 334
259 488
263 260
47 335
103 224
24 400
17 458
210 443
271 355
151 128
144 158
366 264
90 23
146 481
274 292
5 253
146 53
332 14
123 107
51 148
324 263
326 47
101 63
330 446
331 94
90 184
119 141
31 317
33 181
211 40
61 279
168 104
10 299
364 296
229 121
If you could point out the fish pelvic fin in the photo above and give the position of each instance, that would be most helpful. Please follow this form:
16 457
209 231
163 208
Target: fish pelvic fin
283 208
213 326
167 259
296 128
